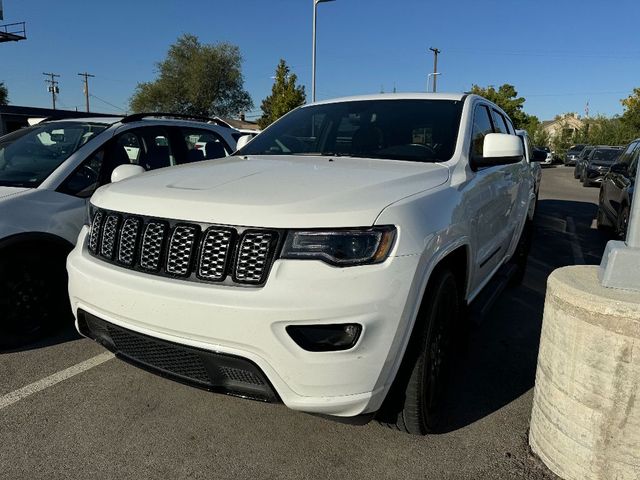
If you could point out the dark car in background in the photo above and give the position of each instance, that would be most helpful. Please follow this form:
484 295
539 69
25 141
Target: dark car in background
616 191
572 154
581 160
597 164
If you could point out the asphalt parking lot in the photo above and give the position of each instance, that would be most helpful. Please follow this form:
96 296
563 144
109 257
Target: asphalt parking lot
107 419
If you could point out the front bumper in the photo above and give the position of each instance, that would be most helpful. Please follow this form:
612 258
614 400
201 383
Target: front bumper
250 323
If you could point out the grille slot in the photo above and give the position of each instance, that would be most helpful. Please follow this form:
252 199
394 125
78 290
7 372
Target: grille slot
109 232
128 240
152 241
253 257
214 257
94 235
181 249
192 251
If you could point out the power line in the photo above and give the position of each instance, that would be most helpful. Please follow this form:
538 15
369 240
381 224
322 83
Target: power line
53 86
108 103
86 87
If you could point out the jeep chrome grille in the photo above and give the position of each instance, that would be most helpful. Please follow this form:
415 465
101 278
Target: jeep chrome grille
198 252
253 256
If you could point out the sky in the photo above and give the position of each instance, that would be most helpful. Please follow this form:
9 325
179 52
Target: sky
559 54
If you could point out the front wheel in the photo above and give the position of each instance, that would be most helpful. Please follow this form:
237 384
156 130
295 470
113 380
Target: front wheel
414 403
33 297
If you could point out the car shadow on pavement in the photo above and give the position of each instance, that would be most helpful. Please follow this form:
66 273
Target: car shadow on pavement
498 364
67 333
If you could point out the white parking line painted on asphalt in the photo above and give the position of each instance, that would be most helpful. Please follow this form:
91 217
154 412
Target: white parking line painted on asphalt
35 387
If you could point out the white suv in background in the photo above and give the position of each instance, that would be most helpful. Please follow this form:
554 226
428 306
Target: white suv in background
326 265
47 173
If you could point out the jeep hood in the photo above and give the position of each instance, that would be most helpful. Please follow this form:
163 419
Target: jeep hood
273 191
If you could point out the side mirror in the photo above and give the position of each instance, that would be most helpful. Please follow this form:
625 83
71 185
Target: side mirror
500 149
539 155
242 141
123 172
618 168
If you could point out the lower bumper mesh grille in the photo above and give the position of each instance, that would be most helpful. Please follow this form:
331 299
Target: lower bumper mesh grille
201 368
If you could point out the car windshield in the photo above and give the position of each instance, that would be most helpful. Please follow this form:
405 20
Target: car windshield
605 155
585 153
412 130
30 155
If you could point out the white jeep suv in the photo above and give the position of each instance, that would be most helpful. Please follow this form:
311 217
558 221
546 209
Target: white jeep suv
47 174
326 265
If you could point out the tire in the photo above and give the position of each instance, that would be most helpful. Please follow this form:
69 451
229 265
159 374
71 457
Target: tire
575 172
33 297
623 222
414 403
602 222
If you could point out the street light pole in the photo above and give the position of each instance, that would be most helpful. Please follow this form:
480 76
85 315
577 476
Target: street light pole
313 55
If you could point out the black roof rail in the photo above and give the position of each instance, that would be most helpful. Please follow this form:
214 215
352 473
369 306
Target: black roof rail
182 116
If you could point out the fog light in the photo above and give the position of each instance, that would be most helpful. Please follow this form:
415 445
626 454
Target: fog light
325 338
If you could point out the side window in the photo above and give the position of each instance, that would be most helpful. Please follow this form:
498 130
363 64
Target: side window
512 130
132 145
481 127
202 144
86 178
157 151
625 157
633 166
500 123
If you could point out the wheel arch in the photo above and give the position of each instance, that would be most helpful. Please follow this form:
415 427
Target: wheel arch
28 240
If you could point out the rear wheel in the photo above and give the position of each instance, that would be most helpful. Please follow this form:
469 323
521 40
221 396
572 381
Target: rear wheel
414 403
33 297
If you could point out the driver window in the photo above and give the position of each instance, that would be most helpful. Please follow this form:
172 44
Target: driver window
85 179
481 127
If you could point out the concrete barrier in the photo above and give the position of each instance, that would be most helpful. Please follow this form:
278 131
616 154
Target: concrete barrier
585 422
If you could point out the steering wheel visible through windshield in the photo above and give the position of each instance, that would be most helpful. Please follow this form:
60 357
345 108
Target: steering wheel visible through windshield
413 130
30 155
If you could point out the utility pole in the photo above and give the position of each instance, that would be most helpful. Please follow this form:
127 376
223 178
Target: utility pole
435 66
53 88
86 87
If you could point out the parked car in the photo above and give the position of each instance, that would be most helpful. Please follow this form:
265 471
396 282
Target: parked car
548 160
616 191
47 173
581 161
572 154
597 165
326 266
534 158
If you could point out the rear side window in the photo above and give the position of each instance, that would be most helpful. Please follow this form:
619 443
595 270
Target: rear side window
202 145
482 126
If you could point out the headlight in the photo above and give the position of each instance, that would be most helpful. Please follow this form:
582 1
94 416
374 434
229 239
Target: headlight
342 248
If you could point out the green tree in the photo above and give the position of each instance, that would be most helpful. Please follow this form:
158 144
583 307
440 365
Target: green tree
4 94
631 105
602 130
285 96
506 97
196 79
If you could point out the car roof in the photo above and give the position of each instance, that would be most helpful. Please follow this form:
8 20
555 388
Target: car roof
151 120
395 96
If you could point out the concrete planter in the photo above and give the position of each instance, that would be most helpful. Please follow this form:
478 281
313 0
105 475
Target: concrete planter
585 422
